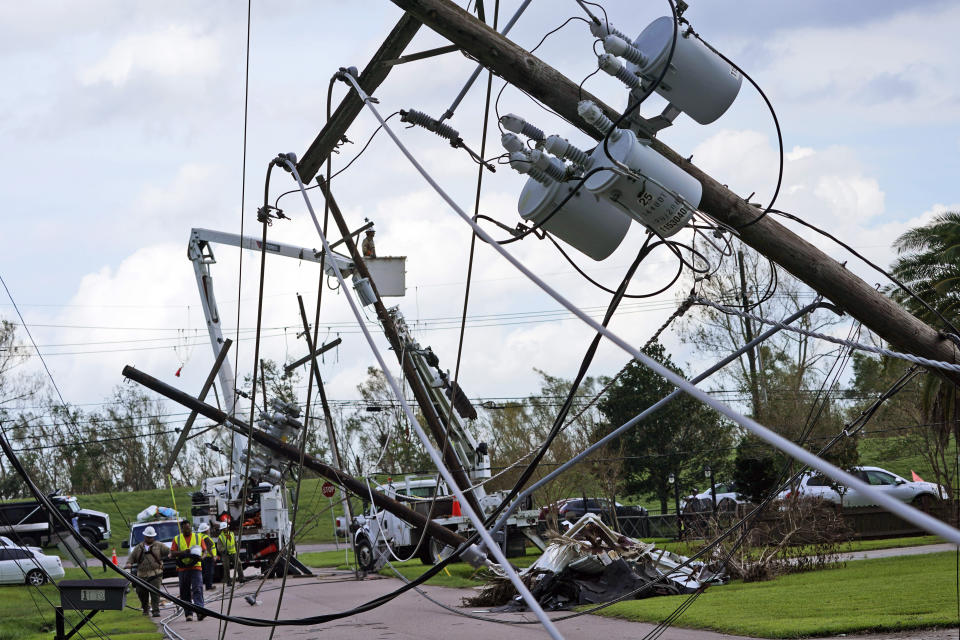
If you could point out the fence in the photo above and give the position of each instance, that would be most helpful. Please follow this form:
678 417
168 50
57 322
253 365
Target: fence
864 522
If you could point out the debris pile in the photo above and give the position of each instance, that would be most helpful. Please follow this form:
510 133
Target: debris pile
592 563
153 512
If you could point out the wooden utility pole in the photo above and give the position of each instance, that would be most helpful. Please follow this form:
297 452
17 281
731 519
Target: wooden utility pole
356 487
373 74
819 271
430 414
748 334
327 414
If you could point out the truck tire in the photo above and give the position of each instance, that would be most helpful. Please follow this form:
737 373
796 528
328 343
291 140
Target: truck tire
365 556
29 541
36 578
93 537
432 551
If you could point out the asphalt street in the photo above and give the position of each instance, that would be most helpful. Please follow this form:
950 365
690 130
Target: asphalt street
409 616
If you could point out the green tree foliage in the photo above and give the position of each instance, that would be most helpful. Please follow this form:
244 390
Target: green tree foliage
379 436
929 263
682 438
788 383
118 447
516 430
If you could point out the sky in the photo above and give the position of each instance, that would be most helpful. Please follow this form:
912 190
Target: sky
122 126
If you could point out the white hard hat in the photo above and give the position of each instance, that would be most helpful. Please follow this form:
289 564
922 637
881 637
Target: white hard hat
149 532
203 528
223 525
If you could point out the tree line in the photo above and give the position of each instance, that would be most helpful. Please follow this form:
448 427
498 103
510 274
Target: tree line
802 388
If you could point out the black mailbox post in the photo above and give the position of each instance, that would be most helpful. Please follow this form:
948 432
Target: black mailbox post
89 595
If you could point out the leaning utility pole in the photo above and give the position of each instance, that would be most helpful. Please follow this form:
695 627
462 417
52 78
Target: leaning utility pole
821 272
373 74
435 421
357 487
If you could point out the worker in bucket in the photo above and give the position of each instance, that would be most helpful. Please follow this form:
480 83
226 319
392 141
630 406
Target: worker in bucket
227 550
209 555
188 549
148 556
367 246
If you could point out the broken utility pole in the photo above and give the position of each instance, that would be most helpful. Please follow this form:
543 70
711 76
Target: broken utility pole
373 74
821 272
432 417
292 453
327 414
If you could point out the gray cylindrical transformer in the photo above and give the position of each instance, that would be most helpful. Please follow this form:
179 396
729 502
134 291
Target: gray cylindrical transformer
699 82
591 225
653 206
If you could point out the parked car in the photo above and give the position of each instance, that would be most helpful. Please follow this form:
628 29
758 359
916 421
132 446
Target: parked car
727 499
7 542
26 566
922 495
572 509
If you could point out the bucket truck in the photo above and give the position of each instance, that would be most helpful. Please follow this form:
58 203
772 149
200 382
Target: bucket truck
375 534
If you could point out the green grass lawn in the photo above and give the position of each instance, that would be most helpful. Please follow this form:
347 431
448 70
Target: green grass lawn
26 614
327 559
896 454
866 595
314 514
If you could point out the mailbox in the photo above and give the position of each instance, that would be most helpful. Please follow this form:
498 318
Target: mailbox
83 595
88 595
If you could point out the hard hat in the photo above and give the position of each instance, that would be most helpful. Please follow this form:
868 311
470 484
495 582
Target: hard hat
203 528
223 525
196 551
149 532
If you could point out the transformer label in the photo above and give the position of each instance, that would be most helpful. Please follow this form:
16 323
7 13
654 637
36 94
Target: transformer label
660 210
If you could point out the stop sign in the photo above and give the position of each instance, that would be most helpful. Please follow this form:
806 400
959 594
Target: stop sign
328 489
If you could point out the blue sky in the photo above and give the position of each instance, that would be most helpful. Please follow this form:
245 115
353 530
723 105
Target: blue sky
121 125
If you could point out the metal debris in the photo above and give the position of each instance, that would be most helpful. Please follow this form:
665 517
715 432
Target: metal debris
591 563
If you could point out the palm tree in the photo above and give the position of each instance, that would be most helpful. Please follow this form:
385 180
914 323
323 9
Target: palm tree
929 264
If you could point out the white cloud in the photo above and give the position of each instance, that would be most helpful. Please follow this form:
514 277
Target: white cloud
826 187
893 68
176 51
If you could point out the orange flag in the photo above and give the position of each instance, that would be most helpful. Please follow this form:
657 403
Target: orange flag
916 478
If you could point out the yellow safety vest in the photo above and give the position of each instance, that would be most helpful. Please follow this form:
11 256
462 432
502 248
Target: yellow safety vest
188 562
229 542
212 548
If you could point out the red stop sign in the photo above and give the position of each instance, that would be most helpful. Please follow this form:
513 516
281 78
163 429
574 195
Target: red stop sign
328 489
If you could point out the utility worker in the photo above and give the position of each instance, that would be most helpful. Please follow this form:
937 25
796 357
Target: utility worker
187 550
227 550
367 247
148 556
209 555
